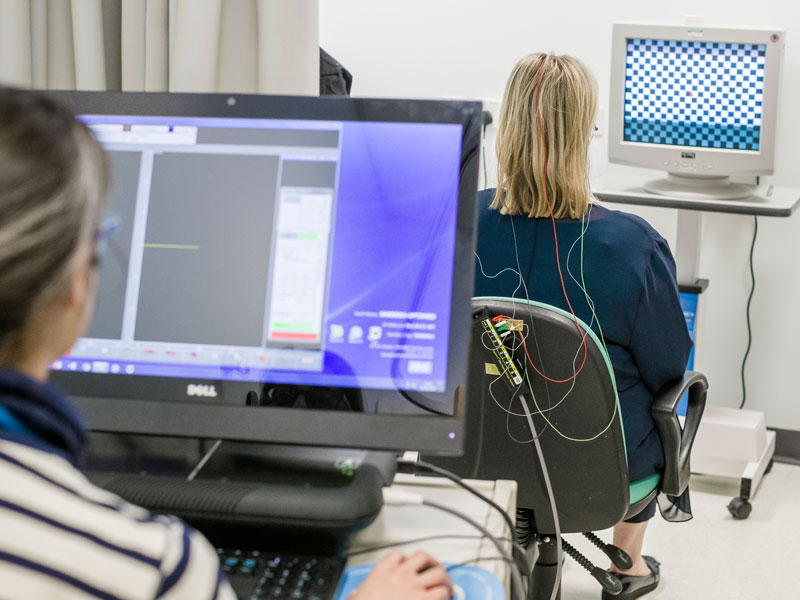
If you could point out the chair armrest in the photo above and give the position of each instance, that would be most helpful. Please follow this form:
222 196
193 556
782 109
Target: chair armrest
678 442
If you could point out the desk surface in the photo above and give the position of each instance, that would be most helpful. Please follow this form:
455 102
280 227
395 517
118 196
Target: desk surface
627 188
454 540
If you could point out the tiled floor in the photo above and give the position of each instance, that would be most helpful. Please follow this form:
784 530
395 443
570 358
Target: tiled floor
714 556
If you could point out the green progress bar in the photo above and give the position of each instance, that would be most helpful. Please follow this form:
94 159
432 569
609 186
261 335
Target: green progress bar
173 246
296 326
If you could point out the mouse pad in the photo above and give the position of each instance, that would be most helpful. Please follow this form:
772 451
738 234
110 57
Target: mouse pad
470 582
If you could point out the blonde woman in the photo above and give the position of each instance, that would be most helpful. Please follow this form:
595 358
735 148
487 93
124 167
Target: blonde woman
60 536
546 123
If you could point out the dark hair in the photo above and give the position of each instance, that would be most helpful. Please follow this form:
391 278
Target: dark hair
53 182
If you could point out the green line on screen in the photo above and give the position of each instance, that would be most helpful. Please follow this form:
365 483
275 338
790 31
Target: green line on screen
173 246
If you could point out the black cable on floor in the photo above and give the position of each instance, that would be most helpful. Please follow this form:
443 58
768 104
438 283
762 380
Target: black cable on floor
749 300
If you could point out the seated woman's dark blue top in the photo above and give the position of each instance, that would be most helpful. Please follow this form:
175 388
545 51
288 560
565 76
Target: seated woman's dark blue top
630 276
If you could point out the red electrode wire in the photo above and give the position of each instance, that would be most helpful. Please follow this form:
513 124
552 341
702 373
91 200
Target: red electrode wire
530 360
555 238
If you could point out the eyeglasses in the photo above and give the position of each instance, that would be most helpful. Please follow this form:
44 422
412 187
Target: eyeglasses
109 227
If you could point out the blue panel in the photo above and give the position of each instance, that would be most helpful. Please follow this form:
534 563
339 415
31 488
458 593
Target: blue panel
689 306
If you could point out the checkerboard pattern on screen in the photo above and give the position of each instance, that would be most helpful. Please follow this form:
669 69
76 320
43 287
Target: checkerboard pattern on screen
692 93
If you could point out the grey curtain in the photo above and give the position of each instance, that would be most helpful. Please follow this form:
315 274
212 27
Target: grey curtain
246 46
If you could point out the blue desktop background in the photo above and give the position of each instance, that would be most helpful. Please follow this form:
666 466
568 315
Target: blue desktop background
394 238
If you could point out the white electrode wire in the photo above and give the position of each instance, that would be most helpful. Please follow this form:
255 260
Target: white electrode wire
582 285
499 377
496 275
584 227
528 299
591 305
521 283
519 268
572 382
551 497
539 411
508 411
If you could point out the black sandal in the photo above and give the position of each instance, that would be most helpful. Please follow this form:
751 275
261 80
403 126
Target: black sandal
634 586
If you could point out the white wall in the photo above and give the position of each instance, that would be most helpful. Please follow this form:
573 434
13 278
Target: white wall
466 48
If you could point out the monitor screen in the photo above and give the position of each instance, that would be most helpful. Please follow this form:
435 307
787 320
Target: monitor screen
700 103
694 93
307 259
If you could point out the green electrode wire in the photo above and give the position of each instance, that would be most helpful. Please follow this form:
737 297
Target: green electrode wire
589 301
602 340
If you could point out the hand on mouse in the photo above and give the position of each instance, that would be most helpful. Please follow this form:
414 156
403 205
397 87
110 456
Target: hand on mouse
397 577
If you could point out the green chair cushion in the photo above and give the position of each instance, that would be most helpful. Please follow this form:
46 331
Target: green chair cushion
641 487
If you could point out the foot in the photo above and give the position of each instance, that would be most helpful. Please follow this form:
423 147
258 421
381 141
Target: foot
639 568
634 586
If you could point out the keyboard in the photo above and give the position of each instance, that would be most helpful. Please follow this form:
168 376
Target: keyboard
258 574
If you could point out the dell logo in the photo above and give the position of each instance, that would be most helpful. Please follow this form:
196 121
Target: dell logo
201 391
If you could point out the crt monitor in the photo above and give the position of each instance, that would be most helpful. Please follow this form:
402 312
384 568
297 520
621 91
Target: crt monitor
287 270
697 102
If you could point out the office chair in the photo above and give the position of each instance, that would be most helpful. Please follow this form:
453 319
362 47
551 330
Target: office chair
589 478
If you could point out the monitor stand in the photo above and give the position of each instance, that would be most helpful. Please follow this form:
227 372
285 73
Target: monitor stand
699 187
264 496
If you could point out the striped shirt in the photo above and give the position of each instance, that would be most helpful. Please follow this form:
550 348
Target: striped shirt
62 538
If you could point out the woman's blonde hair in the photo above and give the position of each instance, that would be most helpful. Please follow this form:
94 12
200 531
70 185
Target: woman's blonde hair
53 181
554 155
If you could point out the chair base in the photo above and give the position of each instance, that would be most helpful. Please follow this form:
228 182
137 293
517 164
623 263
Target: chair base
543 578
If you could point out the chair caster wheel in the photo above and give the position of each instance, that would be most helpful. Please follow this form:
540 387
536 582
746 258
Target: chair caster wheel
740 508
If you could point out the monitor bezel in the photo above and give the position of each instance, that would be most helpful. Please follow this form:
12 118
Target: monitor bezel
705 161
182 418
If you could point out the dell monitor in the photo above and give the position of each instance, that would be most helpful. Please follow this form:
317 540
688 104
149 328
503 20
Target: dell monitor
697 102
287 270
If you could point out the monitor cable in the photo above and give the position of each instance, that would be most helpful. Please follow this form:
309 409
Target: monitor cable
429 409
417 540
420 465
202 462
517 550
551 497
747 312
399 497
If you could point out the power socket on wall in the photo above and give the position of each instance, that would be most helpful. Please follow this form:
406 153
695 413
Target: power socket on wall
493 106
488 176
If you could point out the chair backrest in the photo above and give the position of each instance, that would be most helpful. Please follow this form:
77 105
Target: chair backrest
576 416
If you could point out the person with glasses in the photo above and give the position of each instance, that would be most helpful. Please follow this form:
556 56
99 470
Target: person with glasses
60 536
